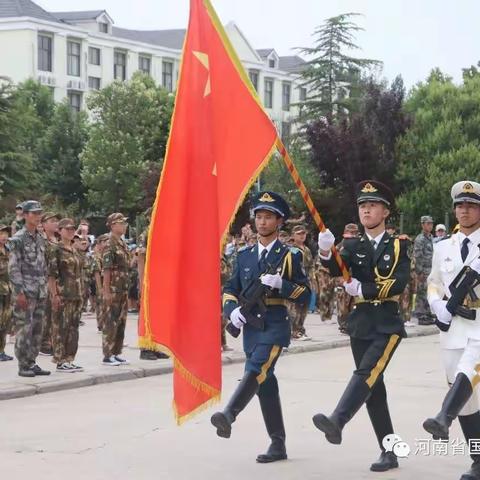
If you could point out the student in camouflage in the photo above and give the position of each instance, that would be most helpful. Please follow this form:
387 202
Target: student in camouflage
97 274
65 285
5 298
50 228
27 270
116 265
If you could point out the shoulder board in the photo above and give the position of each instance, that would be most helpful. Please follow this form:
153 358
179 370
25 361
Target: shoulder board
243 249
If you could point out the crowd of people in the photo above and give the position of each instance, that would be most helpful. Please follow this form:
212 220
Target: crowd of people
51 271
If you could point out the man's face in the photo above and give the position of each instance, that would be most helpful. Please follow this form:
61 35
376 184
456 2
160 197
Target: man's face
468 214
32 218
372 214
84 245
440 233
391 231
67 234
119 228
51 226
300 237
266 222
283 238
83 229
3 237
427 227
18 213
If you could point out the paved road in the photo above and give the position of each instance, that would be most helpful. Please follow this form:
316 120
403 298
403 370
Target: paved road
125 430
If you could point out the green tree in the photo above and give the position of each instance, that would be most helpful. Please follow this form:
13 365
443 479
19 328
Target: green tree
441 147
59 154
129 132
332 76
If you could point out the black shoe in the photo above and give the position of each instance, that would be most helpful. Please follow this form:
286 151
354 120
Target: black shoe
471 429
148 355
354 396
38 371
387 461
161 355
454 401
245 391
4 357
26 372
272 415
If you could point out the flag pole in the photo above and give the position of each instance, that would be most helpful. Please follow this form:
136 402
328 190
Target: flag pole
309 202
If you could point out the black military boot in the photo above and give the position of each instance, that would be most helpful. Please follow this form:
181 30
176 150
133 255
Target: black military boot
245 391
387 461
471 429
148 355
272 415
25 372
454 401
354 396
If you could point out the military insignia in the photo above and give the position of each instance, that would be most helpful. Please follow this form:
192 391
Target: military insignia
369 188
386 257
468 188
247 269
361 255
294 249
266 197
277 250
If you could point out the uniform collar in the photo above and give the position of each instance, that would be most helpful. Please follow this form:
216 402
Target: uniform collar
377 239
269 247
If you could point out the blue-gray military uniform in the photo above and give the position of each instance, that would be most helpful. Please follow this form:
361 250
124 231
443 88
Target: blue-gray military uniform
263 347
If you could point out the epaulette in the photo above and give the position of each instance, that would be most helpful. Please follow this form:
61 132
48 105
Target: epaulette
242 249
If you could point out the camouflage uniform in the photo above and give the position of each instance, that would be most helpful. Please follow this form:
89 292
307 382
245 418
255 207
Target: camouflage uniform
84 276
5 300
27 270
99 307
298 311
116 258
65 267
326 292
423 254
46 345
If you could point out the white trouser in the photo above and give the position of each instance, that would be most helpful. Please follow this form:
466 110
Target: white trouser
467 361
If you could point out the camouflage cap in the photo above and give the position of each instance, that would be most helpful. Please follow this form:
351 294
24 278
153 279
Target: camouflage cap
4 228
116 218
351 228
19 206
48 215
299 229
426 219
31 206
66 223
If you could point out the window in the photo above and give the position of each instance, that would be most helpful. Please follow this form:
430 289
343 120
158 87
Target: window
253 74
103 27
73 58
94 83
94 56
268 93
120 66
144 64
286 89
271 63
45 53
167 75
303 94
286 132
75 100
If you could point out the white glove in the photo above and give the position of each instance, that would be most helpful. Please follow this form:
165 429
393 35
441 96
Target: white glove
475 265
237 318
326 240
439 308
272 281
353 288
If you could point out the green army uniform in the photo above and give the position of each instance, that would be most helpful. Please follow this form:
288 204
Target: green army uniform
65 268
380 269
326 292
423 255
27 270
5 302
99 307
115 258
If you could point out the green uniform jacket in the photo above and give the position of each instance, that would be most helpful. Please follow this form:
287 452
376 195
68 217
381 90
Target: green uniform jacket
384 274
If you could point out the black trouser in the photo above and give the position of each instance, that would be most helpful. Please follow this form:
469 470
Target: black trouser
371 358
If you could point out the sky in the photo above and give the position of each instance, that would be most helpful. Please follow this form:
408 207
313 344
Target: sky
409 36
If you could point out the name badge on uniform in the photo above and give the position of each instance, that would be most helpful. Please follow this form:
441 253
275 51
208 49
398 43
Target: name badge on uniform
447 265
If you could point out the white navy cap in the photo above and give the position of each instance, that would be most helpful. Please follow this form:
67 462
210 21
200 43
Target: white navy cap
466 191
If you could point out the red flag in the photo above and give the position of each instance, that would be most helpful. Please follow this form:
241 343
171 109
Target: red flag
219 141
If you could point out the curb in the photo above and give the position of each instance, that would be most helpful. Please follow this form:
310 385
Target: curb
20 390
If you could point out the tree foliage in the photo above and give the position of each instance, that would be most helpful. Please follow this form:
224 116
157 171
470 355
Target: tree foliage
441 147
129 132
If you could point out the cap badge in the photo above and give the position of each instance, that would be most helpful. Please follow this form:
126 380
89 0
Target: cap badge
369 188
467 187
266 197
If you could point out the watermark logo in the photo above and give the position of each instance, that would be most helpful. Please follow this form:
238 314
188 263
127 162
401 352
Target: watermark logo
394 443
454 446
